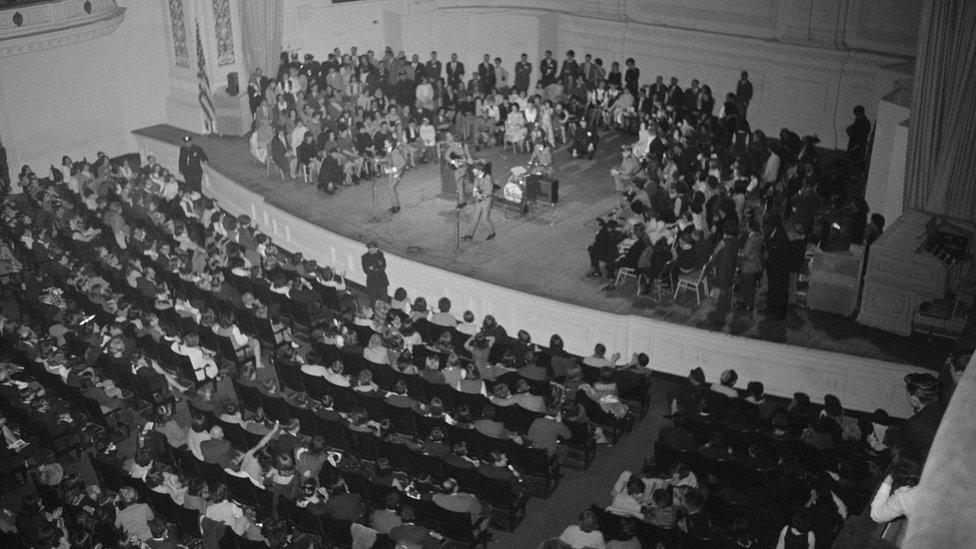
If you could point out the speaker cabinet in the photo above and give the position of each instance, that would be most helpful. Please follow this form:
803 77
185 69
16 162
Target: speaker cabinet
542 189
233 85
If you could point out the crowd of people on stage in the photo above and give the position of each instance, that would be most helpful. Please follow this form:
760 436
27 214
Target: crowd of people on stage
697 189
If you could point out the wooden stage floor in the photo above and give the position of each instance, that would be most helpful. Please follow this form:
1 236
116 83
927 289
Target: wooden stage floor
543 252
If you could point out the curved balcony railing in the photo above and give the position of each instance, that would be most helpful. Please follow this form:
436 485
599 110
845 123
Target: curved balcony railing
30 25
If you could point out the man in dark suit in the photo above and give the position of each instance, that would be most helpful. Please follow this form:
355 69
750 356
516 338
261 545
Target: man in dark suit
570 71
743 94
548 68
585 141
433 69
455 72
374 265
858 134
409 534
690 100
587 70
191 163
486 70
919 430
523 74
658 89
217 450
777 270
255 89
631 76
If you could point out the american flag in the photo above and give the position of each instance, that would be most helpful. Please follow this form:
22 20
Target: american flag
204 95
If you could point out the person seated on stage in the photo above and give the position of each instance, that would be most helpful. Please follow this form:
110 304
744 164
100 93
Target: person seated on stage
638 201
622 109
482 132
629 258
331 173
280 153
261 140
515 128
428 137
308 159
585 141
541 160
604 247
624 174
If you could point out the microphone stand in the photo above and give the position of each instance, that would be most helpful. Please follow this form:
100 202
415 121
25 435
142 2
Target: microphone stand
374 216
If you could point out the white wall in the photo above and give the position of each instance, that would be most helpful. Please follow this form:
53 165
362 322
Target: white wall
860 383
85 97
805 75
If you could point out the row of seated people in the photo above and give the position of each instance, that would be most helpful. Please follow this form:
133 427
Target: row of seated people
187 376
773 473
56 385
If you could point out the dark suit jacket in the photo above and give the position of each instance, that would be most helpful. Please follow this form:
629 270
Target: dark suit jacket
920 429
217 451
455 73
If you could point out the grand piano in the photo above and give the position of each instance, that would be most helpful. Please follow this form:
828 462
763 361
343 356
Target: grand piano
917 260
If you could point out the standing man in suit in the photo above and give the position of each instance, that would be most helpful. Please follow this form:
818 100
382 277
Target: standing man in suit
455 72
523 74
486 70
192 159
588 70
255 89
482 193
374 265
777 270
432 69
743 94
632 76
548 68
569 72
858 134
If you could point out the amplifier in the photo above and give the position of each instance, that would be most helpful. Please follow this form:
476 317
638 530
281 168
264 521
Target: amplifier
542 189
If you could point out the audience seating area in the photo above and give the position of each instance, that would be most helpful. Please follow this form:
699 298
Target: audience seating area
75 371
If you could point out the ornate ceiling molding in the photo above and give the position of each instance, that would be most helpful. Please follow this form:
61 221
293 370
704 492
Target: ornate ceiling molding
56 24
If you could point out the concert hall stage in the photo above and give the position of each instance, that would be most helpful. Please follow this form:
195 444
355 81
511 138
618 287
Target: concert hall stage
542 253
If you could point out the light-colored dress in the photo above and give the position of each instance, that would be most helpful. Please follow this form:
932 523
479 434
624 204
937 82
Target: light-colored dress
515 130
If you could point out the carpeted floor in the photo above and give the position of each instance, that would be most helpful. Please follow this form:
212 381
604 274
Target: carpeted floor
543 252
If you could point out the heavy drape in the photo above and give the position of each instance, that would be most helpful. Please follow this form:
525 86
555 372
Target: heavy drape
263 24
944 516
940 173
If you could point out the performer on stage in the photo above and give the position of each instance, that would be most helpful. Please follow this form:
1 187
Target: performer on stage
481 193
395 164
192 159
458 156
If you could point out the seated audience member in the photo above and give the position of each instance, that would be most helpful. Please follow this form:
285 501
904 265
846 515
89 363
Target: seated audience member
919 430
798 533
585 534
897 497
132 516
662 512
726 384
443 316
625 494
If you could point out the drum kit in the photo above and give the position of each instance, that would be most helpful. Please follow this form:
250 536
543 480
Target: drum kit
514 189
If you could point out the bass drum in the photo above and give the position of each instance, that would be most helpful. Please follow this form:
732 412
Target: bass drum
513 192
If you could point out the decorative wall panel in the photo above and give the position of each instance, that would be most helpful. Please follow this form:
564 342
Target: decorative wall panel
181 54
225 32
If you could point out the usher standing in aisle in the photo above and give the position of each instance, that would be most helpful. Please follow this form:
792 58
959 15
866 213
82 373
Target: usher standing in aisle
192 159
